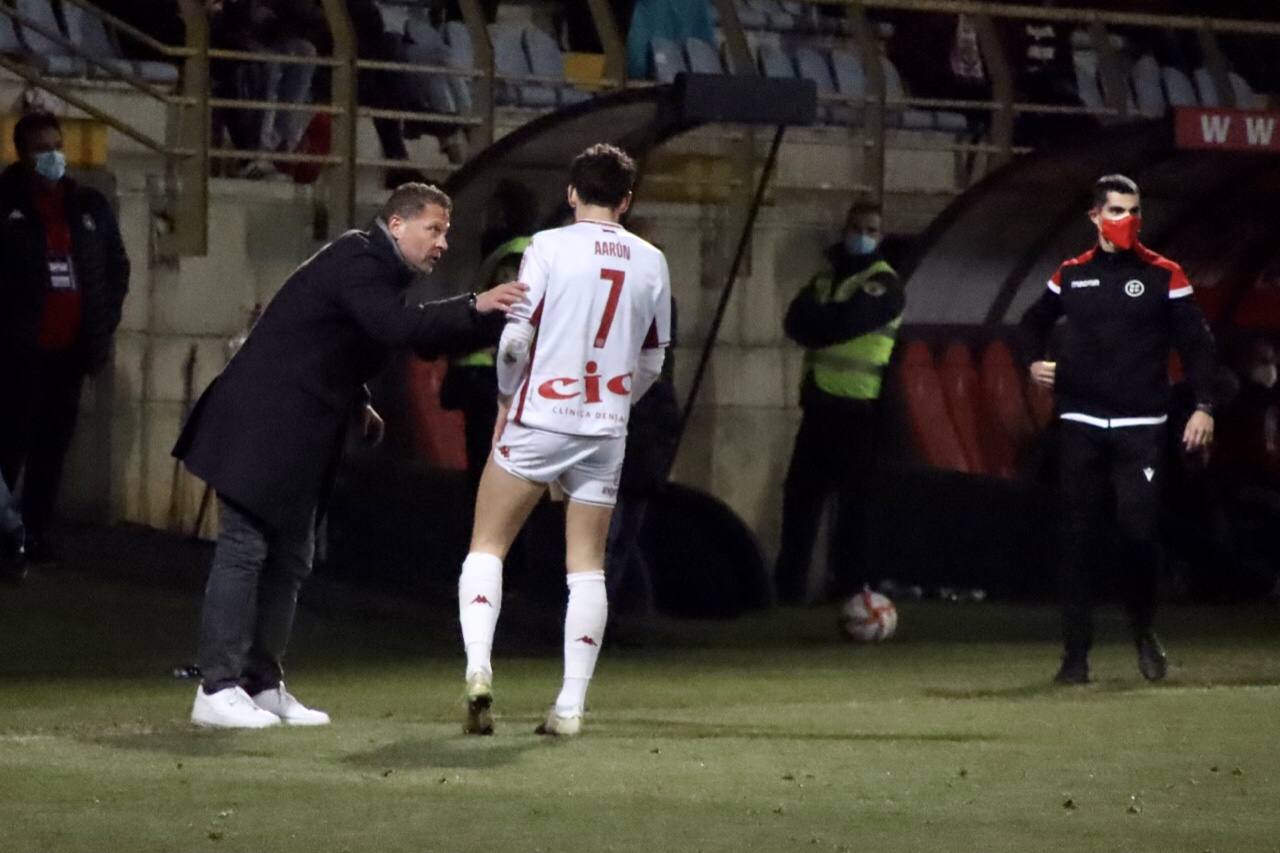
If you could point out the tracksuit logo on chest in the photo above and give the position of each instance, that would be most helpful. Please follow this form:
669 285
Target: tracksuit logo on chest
1134 288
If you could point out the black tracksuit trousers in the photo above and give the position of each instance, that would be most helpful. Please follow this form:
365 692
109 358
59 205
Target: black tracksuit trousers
1110 481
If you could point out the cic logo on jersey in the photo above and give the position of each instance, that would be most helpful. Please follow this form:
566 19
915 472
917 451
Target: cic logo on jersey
567 387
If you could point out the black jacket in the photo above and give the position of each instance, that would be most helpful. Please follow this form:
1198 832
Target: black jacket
97 253
1124 312
268 432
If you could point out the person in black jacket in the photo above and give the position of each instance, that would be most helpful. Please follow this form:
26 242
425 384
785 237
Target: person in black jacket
847 319
63 279
1125 306
268 432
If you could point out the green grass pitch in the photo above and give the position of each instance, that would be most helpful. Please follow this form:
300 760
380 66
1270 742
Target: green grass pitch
769 733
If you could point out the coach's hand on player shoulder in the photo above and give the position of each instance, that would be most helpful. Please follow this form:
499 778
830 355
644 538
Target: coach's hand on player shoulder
1199 431
501 298
1042 373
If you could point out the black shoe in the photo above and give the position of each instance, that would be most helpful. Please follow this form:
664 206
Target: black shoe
13 558
1152 662
1074 670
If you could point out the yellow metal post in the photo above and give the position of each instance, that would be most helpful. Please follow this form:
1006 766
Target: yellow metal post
873 155
190 123
615 49
482 47
342 181
997 63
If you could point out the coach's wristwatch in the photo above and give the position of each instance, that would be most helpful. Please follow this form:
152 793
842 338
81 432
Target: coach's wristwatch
471 301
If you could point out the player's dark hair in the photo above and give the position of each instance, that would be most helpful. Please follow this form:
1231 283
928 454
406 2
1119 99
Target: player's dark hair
29 125
409 200
602 175
1112 184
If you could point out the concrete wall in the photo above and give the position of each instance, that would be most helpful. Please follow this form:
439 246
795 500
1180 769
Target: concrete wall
180 315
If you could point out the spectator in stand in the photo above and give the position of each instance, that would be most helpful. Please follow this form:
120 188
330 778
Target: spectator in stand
676 20
65 276
264 26
1040 57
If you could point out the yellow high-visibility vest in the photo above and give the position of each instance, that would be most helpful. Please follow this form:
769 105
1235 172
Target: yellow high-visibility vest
853 369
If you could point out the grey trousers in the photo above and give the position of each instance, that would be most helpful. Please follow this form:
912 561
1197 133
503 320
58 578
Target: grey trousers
251 597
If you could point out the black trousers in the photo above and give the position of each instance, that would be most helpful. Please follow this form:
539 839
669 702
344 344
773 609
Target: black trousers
834 456
1110 488
41 404
251 597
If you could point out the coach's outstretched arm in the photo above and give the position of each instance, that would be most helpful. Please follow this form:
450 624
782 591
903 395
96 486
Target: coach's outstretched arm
445 325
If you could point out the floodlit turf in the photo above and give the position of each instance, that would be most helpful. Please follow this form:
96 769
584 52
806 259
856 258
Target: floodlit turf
765 734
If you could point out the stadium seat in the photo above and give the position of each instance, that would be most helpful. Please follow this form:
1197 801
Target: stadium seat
1041 404
1205 88
851 81
1005 402
667 60
1146 86
395 17
906 117
1246 98
701 57
751 15
963 393
438 435
1087 87
10 44
928 419
1259 309
1178 90
511 62
812 65
462 57
774 63
88 30
776 17
53 56
546 60
426 46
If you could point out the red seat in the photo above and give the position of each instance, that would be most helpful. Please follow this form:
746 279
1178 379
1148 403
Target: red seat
928 417
984 443
438 437
1260 309
1006 403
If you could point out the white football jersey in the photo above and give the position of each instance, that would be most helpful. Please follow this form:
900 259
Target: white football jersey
597 295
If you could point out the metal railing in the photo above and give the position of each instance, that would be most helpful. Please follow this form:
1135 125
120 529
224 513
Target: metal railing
188 149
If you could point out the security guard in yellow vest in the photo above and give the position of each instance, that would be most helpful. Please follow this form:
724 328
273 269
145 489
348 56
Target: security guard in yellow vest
471 385
846 318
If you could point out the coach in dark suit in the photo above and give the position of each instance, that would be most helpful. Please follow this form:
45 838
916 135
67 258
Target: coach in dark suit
268 432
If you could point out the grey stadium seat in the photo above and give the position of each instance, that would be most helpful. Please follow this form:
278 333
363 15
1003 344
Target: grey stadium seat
88 30
702 57
425 46
667 60
546 60
52 56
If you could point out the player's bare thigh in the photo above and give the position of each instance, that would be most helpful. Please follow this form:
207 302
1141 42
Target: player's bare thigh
503 503
586 531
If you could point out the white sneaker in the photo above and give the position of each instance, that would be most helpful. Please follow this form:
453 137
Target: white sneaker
230 708
479 712
286 706
559 724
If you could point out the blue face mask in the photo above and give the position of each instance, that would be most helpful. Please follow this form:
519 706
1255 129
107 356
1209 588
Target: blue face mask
860 244
51 165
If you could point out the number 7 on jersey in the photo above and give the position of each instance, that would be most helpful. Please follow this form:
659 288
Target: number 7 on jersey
615 278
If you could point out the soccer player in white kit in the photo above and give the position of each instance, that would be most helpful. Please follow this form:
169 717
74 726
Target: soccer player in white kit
587 341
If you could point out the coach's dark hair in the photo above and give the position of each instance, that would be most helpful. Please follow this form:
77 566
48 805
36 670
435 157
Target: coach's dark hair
603 175
1112 184
409 200
31 124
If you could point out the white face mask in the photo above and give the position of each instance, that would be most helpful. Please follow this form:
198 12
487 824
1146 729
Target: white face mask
1265 375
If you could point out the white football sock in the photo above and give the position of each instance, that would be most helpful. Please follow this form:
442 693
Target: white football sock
479 602
584 621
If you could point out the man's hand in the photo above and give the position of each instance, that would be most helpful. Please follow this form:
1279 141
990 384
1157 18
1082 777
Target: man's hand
1199 432
504 407
372 427
1042 373
501 298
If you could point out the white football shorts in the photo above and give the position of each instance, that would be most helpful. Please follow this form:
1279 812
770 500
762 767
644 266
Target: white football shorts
587 468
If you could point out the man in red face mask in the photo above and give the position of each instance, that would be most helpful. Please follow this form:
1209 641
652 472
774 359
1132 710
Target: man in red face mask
1126 307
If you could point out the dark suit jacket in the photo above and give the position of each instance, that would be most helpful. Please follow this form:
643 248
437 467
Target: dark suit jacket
268 432
98 256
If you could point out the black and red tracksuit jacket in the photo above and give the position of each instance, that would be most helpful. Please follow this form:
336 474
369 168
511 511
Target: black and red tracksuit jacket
1124 313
